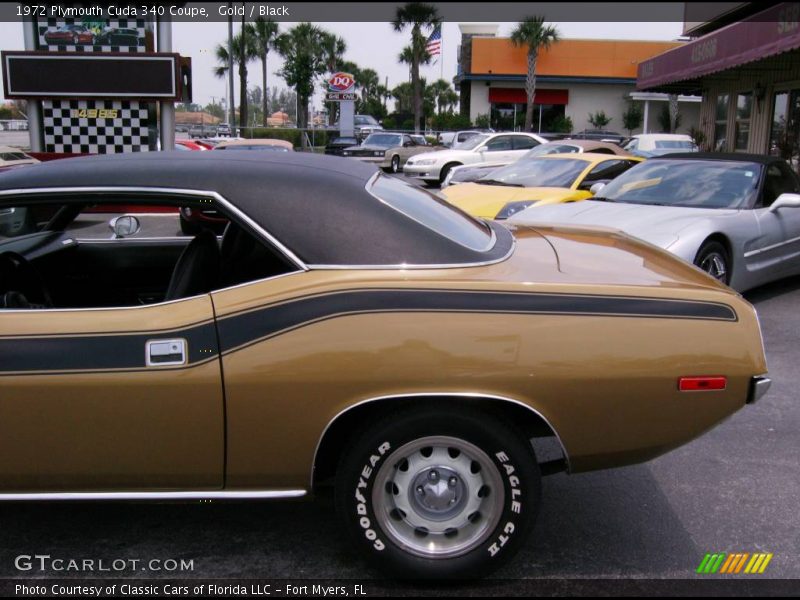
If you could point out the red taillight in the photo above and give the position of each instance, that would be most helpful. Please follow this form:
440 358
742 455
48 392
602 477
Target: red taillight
701 384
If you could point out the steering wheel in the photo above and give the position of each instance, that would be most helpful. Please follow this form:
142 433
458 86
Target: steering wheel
21 285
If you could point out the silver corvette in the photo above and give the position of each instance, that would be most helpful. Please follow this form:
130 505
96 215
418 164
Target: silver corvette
736 216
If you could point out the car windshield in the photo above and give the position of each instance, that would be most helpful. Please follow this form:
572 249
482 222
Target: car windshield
385 140
682 144
471 143
688 183
544 149
434 213
365 120
537 172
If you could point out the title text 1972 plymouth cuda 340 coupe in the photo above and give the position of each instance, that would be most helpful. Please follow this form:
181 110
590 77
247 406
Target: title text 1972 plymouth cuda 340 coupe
348 328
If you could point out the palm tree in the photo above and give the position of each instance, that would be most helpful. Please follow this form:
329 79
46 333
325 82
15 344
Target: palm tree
535 35
306 51
444 94
263 33
421 18
243 52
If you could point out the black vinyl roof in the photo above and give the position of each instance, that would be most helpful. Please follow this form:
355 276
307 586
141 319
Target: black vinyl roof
317 206
762 159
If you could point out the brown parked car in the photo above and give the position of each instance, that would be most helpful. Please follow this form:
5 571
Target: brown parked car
348 329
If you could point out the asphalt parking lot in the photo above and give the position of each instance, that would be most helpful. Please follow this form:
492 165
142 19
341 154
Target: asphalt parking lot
735 489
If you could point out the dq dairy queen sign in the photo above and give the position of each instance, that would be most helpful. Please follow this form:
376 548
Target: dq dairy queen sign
341 87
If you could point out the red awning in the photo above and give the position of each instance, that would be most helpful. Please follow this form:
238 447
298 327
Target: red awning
518 96
767 33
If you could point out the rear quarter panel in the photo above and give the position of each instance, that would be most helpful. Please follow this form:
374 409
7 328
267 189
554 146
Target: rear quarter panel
607 384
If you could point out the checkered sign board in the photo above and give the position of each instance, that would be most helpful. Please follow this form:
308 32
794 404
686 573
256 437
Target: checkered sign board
97 126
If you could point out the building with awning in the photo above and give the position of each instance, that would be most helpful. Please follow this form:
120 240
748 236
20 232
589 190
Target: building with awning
748 73
574 77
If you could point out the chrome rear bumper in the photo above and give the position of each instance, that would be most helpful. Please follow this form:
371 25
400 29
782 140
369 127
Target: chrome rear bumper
758 387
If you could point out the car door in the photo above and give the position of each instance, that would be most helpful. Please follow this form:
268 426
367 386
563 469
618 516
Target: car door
777 250
500 148
110 399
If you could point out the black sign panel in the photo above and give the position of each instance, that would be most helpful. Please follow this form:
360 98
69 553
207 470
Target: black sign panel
106 75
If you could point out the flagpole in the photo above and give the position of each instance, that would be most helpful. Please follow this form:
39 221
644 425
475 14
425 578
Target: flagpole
441 52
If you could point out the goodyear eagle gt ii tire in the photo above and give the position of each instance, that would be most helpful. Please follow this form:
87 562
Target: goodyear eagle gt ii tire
432 493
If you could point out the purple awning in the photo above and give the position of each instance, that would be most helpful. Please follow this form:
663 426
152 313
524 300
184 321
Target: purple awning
767 33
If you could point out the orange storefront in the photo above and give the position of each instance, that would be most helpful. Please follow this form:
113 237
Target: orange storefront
574 77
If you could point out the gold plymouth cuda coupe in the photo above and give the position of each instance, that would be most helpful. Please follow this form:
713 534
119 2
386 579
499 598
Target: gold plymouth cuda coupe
346 329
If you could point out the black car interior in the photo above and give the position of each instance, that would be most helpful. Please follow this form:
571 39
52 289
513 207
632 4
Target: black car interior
52 266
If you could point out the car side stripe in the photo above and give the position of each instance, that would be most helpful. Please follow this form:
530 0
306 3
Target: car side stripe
243 329
126 351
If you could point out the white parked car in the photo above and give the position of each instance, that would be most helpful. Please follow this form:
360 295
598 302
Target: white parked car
433 167
656 144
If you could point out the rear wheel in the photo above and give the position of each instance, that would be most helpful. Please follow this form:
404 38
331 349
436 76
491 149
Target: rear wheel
713 258
439 494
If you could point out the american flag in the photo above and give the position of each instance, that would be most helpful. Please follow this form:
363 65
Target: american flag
434 45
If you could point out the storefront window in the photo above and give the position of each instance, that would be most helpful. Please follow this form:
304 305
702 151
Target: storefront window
784 140
744 108
511 117
721 123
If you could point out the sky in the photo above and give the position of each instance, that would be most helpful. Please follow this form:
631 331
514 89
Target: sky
370 45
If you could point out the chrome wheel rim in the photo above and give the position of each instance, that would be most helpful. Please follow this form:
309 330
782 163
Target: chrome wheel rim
438 497
395 164
714 265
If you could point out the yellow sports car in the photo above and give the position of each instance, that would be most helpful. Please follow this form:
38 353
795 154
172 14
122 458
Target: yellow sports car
549 179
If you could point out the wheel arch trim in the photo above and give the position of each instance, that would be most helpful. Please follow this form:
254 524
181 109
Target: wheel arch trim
443 395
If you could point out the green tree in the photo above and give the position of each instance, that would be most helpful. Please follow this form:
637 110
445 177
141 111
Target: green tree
242 50
445 96
599 119
215 110
632 118
533 34
666 121
263 33
306 51
422 19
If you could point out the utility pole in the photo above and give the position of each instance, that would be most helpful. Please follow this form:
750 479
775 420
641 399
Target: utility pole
231 107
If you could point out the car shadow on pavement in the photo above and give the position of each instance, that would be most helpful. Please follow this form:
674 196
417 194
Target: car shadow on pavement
607 524
612 524
773 290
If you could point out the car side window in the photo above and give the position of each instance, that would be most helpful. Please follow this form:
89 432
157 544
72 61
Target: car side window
123 252
523 142
407 140
778 180
608 169
500 144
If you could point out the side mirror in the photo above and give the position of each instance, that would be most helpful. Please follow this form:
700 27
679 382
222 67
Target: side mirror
593 187
785 201
597 187
124 226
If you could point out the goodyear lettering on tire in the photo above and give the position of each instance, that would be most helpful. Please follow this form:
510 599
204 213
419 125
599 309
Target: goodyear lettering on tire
361 506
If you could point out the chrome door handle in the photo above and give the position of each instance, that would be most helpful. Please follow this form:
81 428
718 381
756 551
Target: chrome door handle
165 352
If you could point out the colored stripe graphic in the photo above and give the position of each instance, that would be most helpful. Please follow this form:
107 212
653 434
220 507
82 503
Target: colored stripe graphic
732 564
